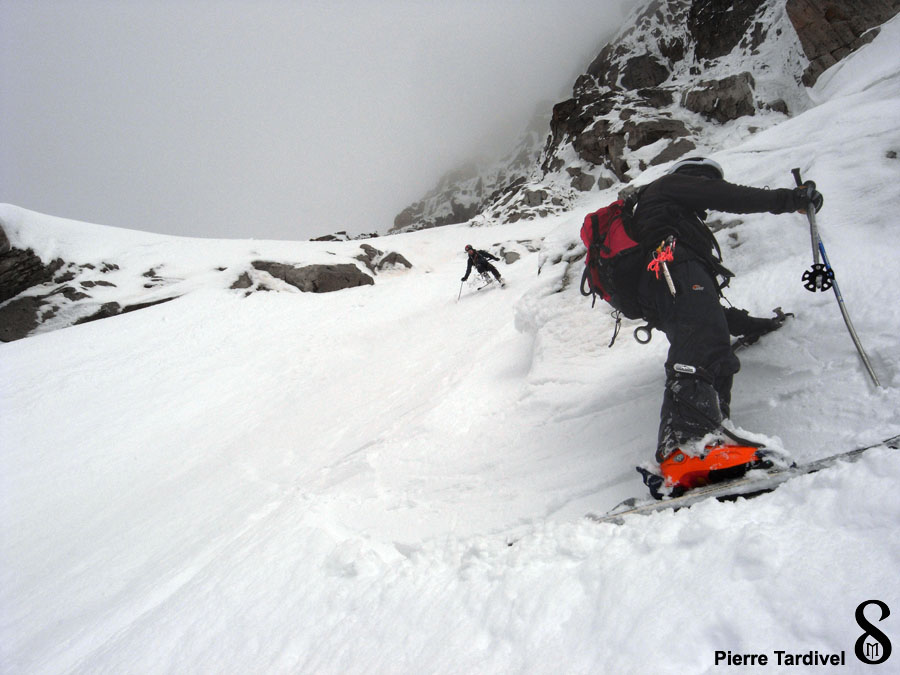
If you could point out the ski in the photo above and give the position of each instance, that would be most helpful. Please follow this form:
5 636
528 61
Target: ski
488 280
750 485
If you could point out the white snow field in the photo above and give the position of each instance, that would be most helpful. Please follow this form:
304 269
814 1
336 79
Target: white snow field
386 480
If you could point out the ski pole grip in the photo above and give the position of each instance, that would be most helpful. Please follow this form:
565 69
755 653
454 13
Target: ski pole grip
797 178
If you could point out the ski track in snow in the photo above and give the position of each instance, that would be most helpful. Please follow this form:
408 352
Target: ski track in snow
386 479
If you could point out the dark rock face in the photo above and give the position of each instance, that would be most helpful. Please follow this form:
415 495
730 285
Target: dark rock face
717 26
343 236
673 151
377 260
828 31
19 317
643 71
317 278
723 100
600 146
20 270
243 281
581 181
392 260
417 214
646 132
109 309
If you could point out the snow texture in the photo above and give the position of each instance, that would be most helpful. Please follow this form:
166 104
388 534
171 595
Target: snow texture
386 479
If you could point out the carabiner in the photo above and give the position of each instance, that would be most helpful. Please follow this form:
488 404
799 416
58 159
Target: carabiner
643 334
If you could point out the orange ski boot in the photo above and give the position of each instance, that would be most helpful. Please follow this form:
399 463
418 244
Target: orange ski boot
720 462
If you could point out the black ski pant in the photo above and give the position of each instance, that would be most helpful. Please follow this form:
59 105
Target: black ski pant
700 365
487 267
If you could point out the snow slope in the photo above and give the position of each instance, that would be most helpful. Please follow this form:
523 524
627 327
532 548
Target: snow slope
386 479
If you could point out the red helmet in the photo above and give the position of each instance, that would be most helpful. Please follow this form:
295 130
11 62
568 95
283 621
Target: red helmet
469 247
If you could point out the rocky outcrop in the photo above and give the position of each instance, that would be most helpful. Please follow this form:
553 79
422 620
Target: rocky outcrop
4 242
830 30
643 71
638 102
316 278
633 94
110 309
639 132
37 297
378 261
58 294
717 27
722 100
581 181
343 236
474 188
20 316
20 270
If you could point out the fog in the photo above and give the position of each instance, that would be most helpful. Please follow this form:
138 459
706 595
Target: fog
271 119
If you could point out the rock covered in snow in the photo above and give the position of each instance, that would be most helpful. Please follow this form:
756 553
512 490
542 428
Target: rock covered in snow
664 86
378 261
316 278
466 192
40 292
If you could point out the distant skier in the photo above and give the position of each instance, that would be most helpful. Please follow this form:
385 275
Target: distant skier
678 292
480 259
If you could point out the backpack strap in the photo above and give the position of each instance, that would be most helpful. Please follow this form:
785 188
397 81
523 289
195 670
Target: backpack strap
628 206
596 242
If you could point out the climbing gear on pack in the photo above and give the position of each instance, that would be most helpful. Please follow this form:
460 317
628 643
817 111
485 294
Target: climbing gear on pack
664 254
643 334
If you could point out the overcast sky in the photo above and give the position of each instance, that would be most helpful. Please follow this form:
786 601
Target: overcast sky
270 119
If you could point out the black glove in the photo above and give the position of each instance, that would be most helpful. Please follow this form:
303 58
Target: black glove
463 279
806 195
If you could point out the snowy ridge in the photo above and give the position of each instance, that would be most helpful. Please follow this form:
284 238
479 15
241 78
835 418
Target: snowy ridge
628 111
328 483
461 195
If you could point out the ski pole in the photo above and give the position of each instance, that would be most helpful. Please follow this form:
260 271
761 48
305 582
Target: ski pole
460 290
821 278
811 215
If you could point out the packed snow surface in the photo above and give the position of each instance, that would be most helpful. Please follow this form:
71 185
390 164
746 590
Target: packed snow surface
394 478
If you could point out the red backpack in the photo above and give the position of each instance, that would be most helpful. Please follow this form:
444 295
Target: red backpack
614 260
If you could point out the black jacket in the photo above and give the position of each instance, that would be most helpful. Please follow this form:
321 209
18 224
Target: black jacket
480 260
676 204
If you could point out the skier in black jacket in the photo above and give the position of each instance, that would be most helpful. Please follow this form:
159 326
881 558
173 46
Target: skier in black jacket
480 259
670 217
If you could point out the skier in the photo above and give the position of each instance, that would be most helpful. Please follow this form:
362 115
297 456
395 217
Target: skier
480 259
678 292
